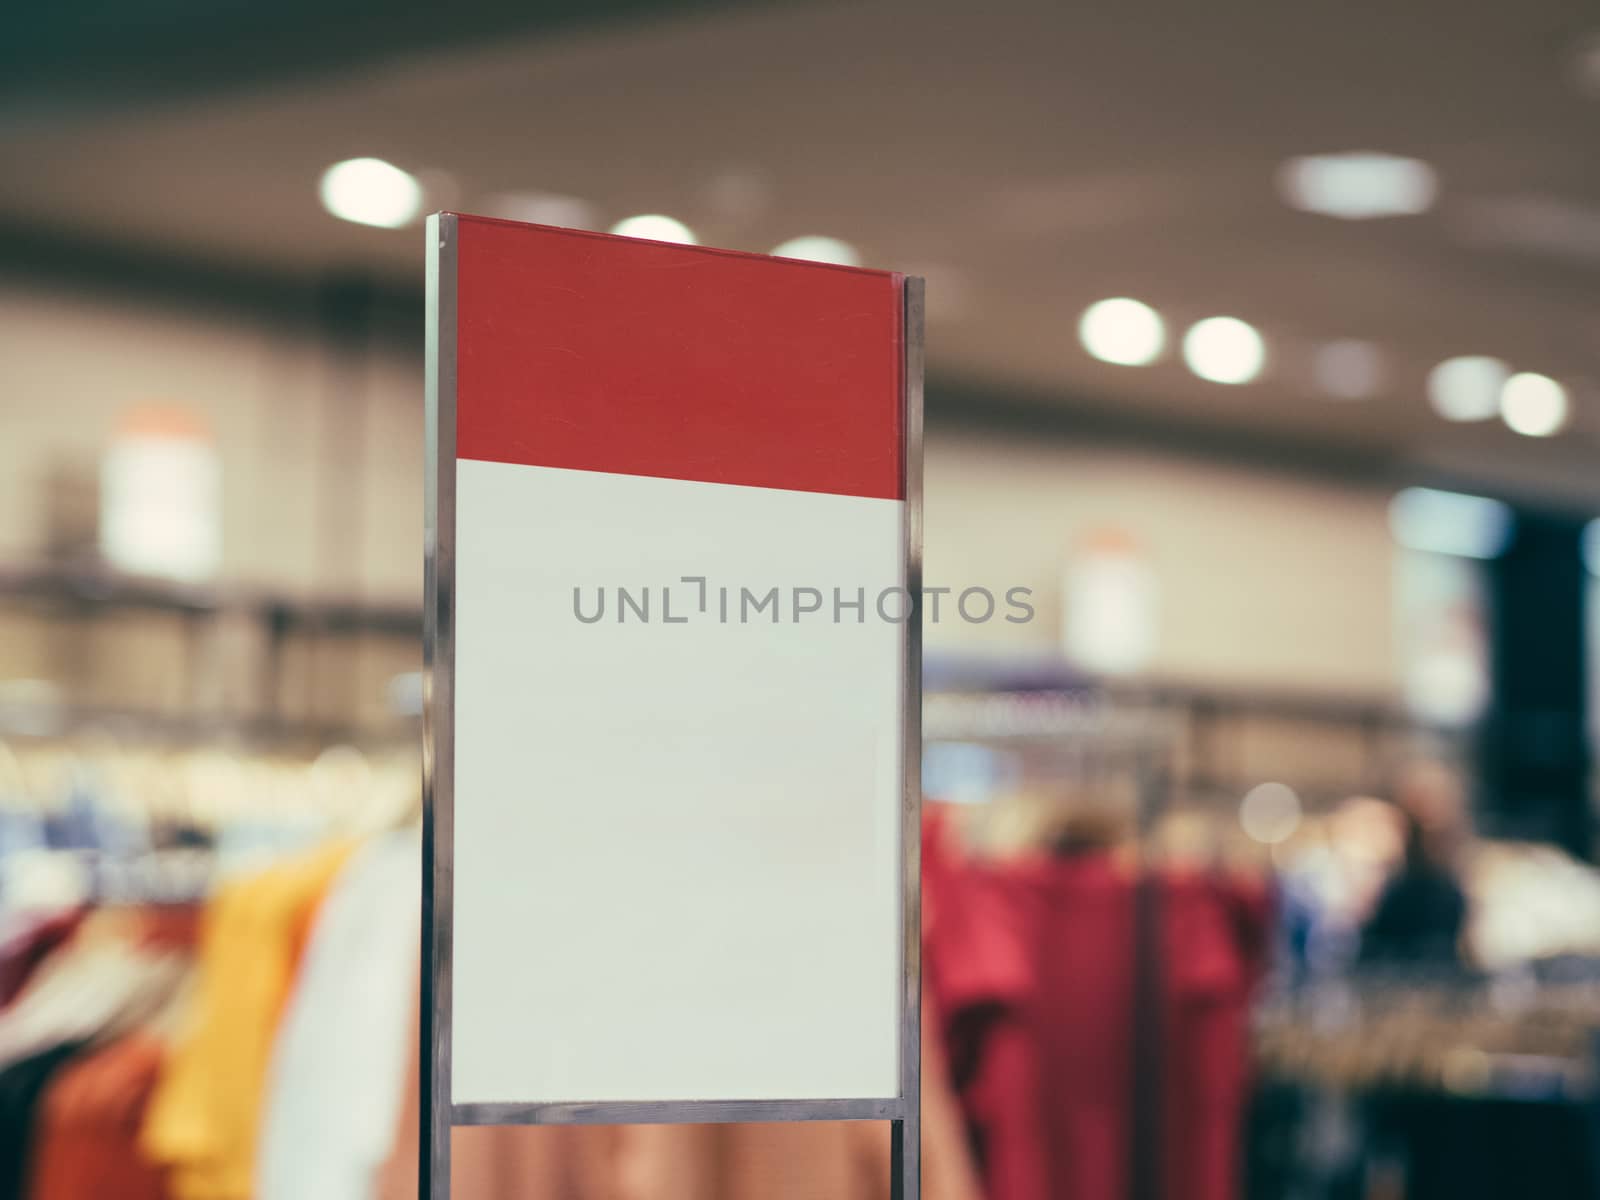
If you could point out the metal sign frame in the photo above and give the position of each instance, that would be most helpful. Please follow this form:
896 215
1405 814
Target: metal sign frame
439 1113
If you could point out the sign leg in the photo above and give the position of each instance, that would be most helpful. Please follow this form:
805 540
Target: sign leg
905 1158
435 1118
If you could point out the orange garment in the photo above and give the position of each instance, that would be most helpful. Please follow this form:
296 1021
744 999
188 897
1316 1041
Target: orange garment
88 1127
205 1116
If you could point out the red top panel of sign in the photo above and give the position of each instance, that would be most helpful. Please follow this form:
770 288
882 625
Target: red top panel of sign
599 353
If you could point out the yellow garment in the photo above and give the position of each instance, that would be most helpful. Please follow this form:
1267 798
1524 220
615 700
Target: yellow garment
204 1117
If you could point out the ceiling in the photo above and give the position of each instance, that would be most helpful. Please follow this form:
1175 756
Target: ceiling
1027 157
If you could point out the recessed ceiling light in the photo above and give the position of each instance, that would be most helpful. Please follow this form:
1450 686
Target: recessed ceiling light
1348 369
1358 185
1224 350
1467 388
815 248
370 191
1533 405
1122 331
656 228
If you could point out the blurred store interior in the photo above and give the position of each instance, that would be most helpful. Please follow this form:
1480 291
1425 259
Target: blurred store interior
1261 347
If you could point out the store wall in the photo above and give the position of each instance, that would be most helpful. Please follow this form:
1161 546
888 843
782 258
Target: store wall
321 450
1263 579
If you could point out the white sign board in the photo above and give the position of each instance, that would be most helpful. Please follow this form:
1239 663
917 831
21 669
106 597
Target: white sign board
673 655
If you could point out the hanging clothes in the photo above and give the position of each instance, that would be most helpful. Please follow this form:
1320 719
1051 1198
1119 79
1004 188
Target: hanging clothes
28 943
122 969
977 980
88 1131
92 1112
1079 916
96 987
337 1078
205 1117
21 1086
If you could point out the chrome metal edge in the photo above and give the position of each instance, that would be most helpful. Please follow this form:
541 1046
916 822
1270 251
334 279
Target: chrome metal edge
438 719
906 1139
673 1112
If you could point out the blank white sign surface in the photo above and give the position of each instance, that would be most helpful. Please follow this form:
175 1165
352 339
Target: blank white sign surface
676 845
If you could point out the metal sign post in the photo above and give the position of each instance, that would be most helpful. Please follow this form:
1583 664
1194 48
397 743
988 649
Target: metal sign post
672 723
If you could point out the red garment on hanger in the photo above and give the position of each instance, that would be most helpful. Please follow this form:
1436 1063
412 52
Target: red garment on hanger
977 979
1077 918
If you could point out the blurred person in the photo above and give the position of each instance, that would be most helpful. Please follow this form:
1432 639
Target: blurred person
1330 873
1421 913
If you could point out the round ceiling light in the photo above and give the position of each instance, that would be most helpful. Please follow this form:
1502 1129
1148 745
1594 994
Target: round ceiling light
1224 350
369 191
655 228
1122 331
1533 405
815 248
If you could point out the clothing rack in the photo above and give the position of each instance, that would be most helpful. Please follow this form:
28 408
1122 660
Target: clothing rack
207 622
1433 1062
1220 740
34 721
149 822
175 876
1516 1036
